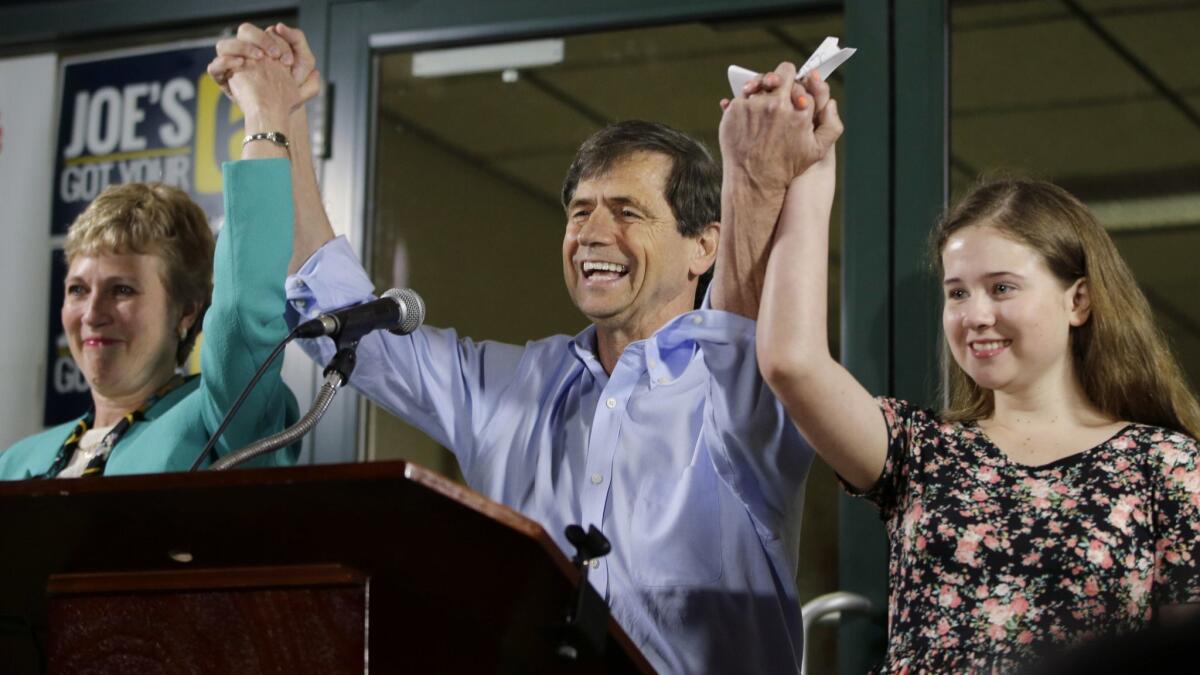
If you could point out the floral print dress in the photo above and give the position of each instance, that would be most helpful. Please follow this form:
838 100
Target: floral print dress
993 562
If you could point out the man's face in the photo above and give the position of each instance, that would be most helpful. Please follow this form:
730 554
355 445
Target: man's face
626 265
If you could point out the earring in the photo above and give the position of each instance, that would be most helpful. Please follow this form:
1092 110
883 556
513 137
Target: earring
182 334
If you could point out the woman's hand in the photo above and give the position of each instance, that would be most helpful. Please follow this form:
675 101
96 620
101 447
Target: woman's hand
265 92
778 127
279 42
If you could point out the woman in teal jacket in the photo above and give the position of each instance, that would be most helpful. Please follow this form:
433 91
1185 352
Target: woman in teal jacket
140 275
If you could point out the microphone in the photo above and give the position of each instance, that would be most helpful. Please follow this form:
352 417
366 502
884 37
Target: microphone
400 311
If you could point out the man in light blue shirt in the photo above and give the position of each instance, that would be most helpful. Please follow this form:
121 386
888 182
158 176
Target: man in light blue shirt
653 423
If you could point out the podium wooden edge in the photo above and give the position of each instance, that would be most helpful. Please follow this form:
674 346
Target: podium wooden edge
51 488
211 578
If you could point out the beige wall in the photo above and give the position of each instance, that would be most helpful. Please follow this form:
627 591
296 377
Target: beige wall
485 257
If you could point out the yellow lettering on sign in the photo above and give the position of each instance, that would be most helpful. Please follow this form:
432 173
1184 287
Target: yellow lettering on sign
208 169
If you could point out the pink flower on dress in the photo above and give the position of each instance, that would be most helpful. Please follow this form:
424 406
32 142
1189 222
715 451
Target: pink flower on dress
1025 637
1188 480
988 474
1172 556
1122 511
1171 454
968 543
1039 490
948 597
1138 587
1122 442
911 517
1098 554
965 551
999 614
1019 605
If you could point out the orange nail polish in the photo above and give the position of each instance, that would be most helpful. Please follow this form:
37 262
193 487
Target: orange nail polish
802 102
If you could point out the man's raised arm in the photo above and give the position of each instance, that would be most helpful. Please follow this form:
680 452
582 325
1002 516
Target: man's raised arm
767 139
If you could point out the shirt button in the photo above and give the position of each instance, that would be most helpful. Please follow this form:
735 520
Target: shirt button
653 363
664 380
597 479
697 319
594 563
611 403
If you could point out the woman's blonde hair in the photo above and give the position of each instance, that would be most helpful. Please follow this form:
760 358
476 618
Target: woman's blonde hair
154 219
1121 357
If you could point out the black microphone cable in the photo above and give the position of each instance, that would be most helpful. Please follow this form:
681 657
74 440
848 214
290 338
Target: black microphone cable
344 325
212 441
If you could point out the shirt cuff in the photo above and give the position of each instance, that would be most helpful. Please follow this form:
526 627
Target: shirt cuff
331 278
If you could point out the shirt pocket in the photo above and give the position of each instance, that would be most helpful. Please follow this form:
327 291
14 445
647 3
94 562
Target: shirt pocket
676 530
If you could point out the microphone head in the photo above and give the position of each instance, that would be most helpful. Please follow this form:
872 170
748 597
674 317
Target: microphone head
412 309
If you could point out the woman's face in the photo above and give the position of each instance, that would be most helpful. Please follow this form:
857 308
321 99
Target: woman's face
122 326
1007 317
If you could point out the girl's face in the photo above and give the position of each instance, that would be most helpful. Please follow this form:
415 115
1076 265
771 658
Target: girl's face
1006 316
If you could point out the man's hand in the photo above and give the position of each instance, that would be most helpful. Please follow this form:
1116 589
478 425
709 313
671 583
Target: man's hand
265 92
769 136
773 132
278 42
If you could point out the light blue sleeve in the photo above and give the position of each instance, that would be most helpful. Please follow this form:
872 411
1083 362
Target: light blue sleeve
446 386
757 449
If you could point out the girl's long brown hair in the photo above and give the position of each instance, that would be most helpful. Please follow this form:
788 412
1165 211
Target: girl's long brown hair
1121 357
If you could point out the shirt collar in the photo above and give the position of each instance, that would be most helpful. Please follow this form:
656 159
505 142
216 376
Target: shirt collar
583 345
664 356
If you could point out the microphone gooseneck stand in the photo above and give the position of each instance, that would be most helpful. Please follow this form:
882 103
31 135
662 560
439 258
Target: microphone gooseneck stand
400 311
337 374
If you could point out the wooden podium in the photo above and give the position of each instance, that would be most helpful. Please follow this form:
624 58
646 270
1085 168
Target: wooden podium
380 568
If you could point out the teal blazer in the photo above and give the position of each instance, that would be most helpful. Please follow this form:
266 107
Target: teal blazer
242 326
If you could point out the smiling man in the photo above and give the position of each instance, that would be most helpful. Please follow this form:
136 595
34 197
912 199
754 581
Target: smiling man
642 203
652 423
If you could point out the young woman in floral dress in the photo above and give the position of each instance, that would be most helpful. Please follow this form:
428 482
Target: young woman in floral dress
1055 496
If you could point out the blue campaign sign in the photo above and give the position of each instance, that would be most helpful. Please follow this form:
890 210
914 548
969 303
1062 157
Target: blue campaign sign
149 115
67 395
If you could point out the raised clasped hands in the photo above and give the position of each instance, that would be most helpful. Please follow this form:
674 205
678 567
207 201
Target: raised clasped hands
779 128
269 73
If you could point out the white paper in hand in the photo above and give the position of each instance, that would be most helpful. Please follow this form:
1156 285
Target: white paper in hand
825 60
